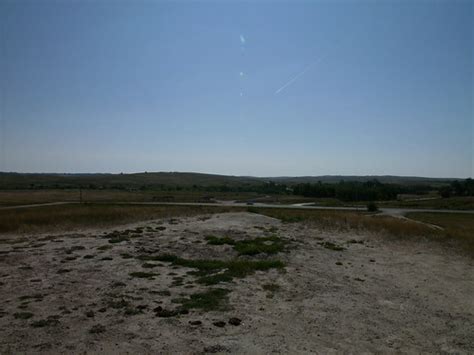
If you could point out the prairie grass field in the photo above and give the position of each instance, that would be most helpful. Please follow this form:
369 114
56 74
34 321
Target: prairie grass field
75 216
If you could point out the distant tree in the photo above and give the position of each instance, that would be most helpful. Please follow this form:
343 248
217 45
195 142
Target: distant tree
458 188
372 207
445 191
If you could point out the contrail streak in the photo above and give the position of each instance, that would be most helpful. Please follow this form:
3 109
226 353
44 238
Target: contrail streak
293 79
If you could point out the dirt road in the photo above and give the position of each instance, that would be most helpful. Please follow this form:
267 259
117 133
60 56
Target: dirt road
396 212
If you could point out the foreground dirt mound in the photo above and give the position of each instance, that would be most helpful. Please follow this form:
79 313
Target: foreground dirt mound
234 282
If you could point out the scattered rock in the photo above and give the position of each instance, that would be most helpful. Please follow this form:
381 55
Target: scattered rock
219 324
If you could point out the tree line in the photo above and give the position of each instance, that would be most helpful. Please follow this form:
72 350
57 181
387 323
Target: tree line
458 188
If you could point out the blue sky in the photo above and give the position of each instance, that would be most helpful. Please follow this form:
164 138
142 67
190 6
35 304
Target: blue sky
373 87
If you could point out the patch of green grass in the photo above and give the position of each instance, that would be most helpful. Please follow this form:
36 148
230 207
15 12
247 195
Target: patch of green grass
74 248
97 328
268 245
131 311
119 238
22 315
143 275
105 247
213 240
212 272
149 265
355 241
332 246
215 299
118 284
271 287
36 296
25 268
163 293
50 321
118 304
13 240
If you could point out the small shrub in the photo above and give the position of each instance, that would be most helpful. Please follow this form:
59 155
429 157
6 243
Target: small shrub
212 300
271 287
332 246
23 315
143 275
96 329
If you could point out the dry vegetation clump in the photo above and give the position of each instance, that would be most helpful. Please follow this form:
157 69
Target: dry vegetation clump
345 220
457 227
52 218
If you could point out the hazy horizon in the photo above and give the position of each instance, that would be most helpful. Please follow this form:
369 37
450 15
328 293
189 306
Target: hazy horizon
261 89
219 174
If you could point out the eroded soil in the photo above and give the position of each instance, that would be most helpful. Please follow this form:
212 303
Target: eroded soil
111 291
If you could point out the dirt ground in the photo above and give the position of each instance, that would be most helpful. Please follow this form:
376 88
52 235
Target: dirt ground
73 292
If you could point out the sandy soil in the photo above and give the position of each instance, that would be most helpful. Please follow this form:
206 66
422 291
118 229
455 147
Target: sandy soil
378 295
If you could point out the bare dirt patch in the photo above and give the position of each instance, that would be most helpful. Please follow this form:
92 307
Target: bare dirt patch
197 285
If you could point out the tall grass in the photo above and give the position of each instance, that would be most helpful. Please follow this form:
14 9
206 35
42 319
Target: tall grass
458 227
348 220
53 218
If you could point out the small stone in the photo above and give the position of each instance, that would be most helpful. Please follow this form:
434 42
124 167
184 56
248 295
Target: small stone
219 324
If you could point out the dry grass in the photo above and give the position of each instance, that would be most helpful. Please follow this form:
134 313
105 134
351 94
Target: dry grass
26 197
57 218
346 220
451 203
458 227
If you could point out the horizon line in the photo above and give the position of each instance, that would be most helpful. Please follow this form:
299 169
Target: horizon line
232 175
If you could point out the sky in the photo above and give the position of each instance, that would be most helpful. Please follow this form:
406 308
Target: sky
259 88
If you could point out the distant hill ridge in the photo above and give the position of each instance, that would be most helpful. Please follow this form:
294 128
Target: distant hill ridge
27 180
